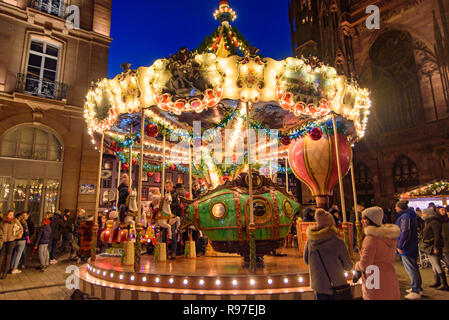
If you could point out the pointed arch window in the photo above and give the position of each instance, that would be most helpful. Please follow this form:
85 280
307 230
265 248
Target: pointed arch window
405 174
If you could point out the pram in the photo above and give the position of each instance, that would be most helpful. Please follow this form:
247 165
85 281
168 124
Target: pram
424 261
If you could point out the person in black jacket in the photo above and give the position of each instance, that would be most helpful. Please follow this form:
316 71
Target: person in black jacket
444 234
123 191
432 245
56 227
43 239
66 231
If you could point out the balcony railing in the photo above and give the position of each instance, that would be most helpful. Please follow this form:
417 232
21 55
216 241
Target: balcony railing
53 7
40 87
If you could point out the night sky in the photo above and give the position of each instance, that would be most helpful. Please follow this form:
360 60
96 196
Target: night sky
146 30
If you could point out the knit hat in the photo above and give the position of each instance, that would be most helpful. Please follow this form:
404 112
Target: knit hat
375 214
324 218
429 213
402 204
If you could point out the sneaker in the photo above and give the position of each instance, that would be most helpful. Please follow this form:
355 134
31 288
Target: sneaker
410 291
413 296
16 271
54 261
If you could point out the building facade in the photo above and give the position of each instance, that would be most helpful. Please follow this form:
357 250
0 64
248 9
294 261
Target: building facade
47 160
404 61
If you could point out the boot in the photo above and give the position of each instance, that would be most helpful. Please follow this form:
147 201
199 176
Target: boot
437 281
445 287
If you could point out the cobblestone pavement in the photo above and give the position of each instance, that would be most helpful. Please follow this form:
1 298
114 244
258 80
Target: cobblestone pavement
32 284
427 277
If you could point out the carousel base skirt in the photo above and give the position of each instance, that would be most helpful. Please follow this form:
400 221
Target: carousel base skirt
203 278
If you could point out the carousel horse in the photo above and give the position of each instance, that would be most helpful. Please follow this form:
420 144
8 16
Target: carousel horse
112 232
162 213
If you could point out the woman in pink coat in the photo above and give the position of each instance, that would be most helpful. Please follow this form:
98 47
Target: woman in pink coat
378 254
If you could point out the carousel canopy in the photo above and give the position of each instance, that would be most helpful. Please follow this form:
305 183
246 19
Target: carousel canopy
215 85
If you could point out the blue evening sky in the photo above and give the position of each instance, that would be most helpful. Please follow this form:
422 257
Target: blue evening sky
146 30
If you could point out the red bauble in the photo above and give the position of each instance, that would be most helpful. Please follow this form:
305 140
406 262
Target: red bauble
172 167
151 130
125 166
134 160
315 134
225 178
138 140
150 173
118 149
285 140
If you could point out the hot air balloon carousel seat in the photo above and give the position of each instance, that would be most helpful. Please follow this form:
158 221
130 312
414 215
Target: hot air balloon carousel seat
306 118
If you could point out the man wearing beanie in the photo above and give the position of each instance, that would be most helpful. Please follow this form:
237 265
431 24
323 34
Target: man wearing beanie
408 247
378 249
325 251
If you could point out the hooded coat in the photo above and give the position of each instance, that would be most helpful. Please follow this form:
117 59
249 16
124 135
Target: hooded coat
335 257
432 238
408 239
379 250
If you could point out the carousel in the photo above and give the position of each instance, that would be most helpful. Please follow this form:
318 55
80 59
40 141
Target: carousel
233 120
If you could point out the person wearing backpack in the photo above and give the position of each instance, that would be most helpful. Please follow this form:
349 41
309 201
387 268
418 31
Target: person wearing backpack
327 257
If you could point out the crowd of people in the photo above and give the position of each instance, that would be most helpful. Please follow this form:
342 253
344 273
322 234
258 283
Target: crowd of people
59 234
405 233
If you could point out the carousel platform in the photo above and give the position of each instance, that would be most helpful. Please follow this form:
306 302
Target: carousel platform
203 278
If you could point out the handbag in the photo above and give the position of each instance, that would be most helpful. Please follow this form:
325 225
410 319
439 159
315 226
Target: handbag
343 292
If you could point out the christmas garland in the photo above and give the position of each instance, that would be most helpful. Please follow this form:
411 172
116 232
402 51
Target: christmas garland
433 189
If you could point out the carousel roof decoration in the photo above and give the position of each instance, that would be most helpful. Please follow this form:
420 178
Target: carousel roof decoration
439 188
294 96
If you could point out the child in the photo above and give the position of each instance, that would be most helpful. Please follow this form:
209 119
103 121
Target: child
42 240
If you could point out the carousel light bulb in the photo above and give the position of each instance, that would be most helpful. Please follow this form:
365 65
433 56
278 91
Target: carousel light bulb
270 281
157 280
218 282
285 280
346 274
185 281
132 278
121 277
112 275
252 282
301 279
104 273
234 282
171 280
201 282
144 279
